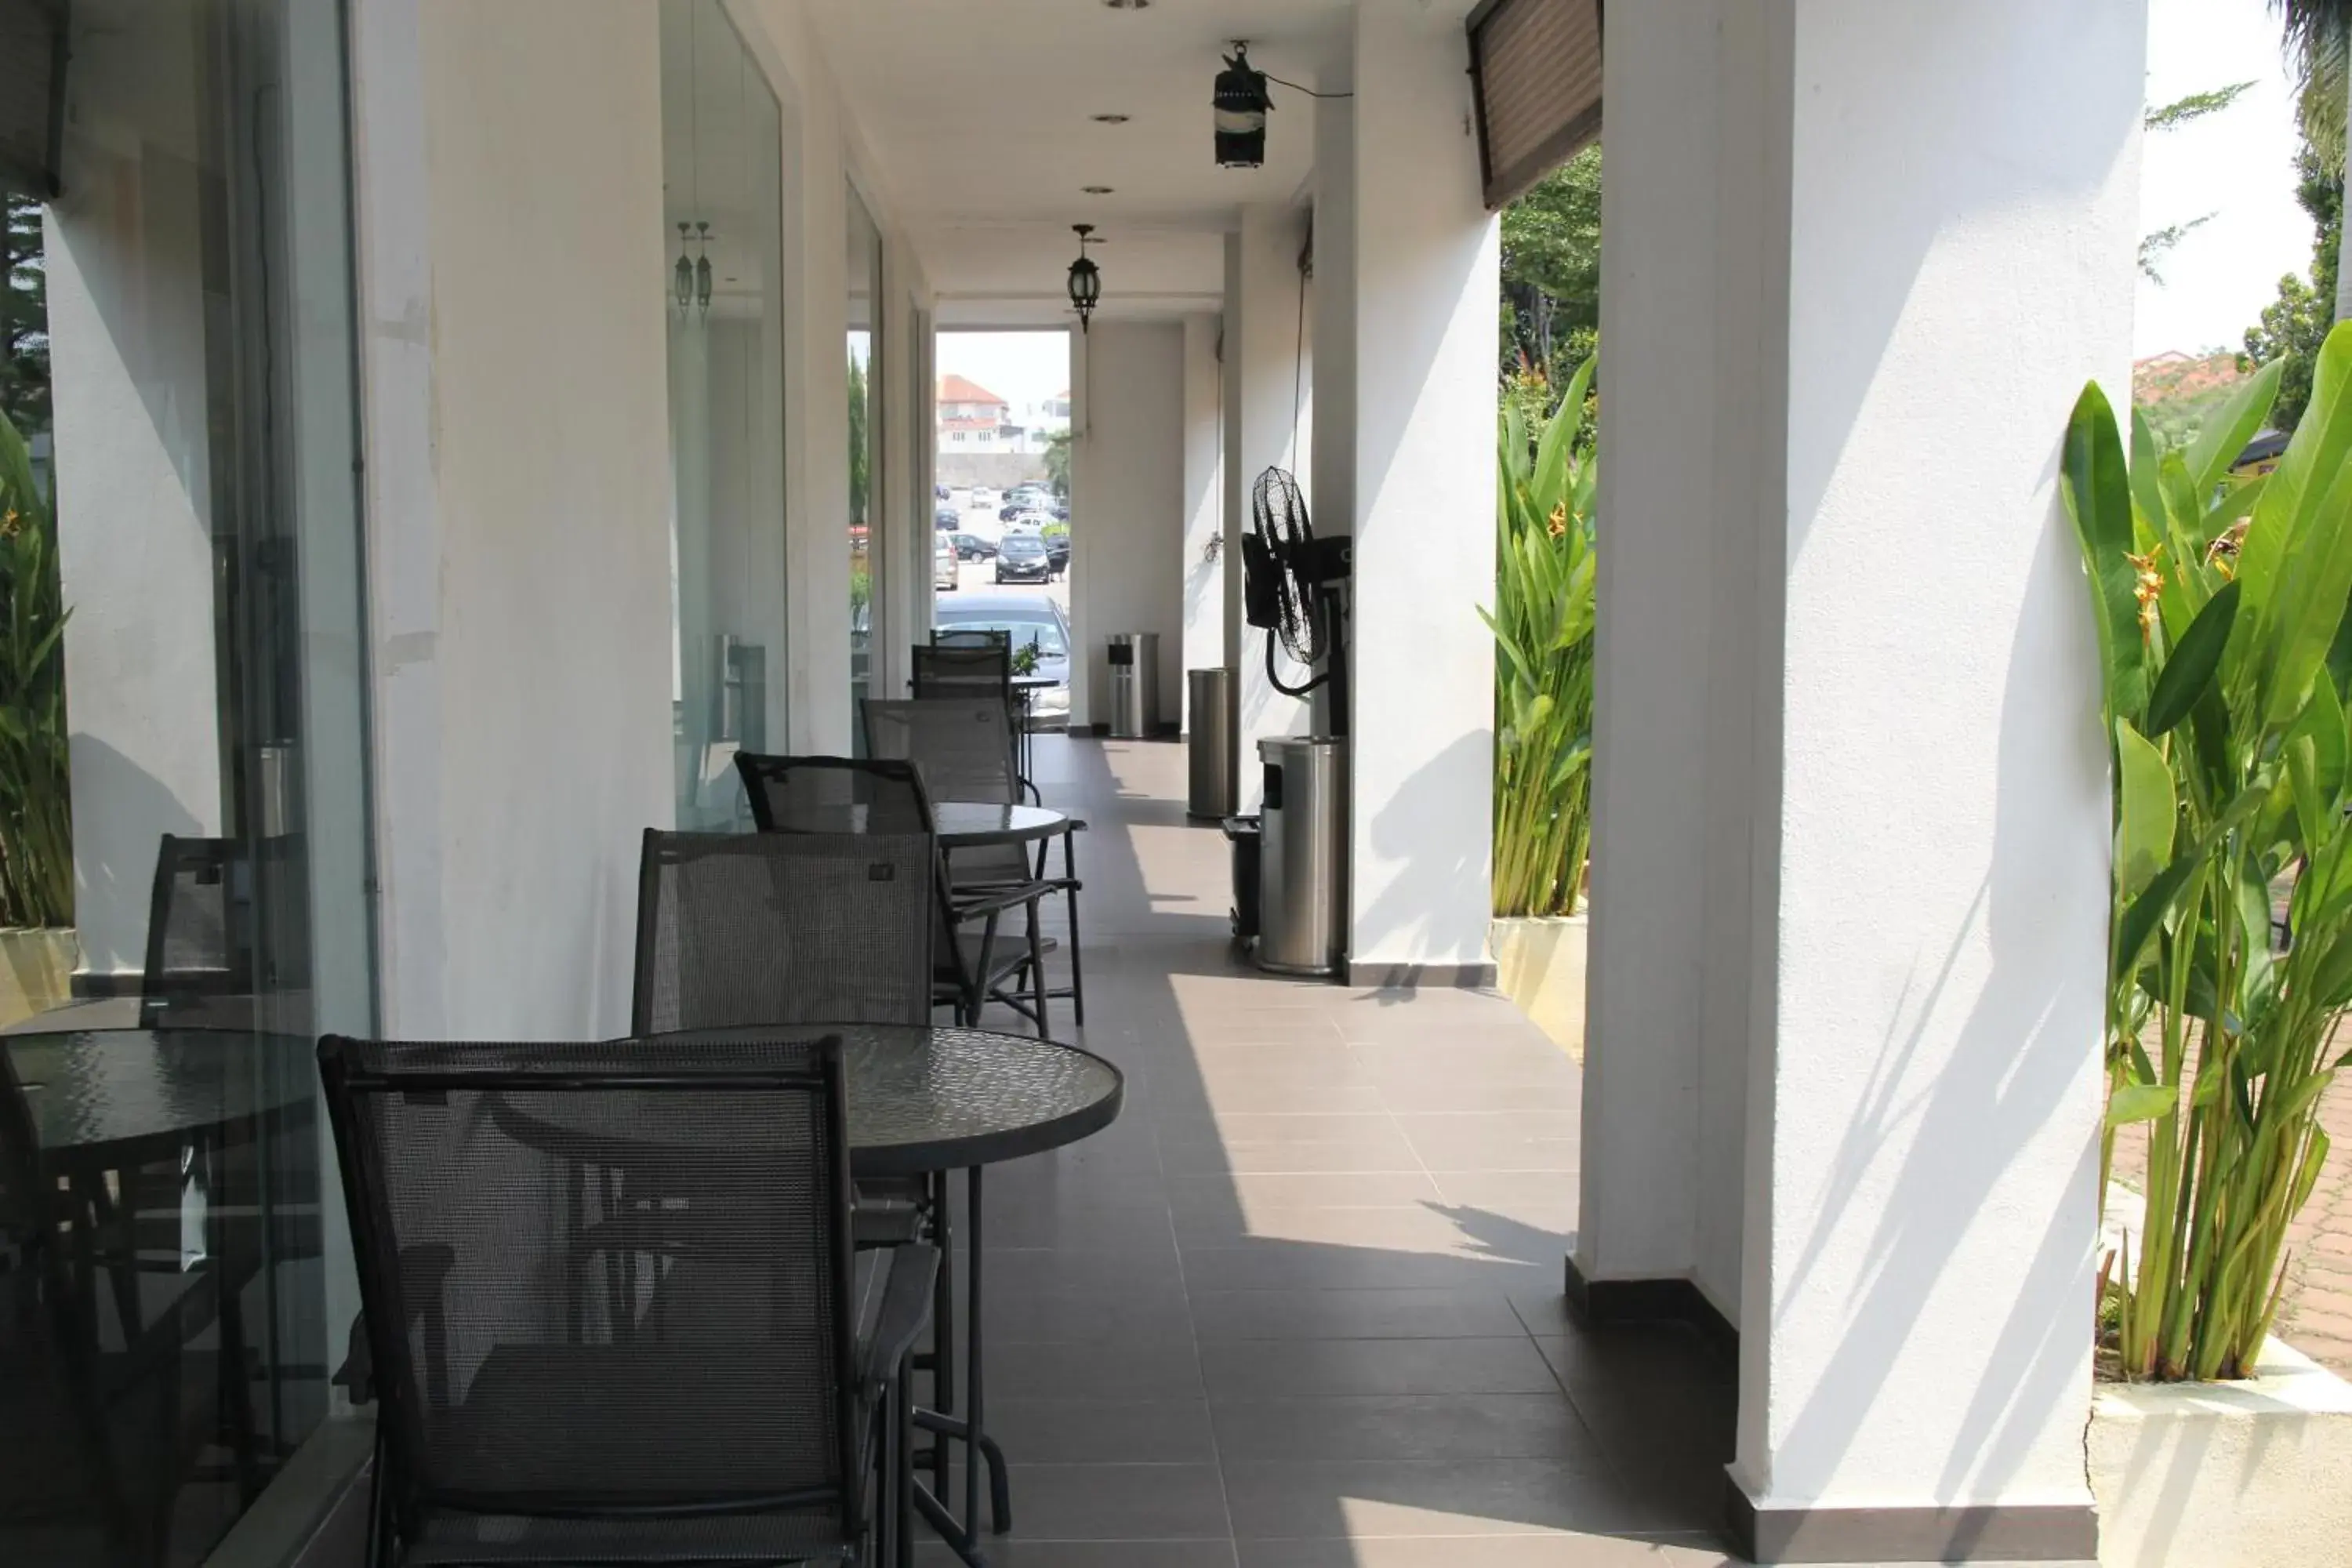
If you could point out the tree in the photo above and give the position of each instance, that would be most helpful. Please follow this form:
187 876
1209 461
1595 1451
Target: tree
2293 326
1057 462
2318 41
1551 269
24 318
2169 117
859 457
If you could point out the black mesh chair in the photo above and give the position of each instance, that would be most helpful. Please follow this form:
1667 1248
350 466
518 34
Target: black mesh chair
965 668
104 1408
958 745
630 1378
199 933
825 795
971 637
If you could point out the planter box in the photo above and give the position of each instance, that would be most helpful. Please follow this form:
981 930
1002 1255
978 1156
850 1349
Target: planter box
2225 1475
37 969
1540 965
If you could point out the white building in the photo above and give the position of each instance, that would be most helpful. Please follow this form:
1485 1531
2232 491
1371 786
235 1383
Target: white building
530 452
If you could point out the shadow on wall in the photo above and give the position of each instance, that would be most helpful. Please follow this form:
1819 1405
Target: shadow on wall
2019 1062
119 811
1433 873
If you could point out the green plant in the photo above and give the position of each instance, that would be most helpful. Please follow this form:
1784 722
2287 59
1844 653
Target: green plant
2218 603
1542 623
36 806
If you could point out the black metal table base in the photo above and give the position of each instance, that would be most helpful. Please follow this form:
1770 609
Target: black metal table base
962 1536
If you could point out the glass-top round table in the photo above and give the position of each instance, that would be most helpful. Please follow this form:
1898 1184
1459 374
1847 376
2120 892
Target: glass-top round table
969 825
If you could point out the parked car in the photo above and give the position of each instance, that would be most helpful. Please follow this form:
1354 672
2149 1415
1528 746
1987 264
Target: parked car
946 518
981 496
1057 545
1029 619
1022 558
941 492
947 570
972 547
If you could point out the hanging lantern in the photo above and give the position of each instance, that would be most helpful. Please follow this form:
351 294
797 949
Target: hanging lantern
682 275
1085 278
702 270
1241 105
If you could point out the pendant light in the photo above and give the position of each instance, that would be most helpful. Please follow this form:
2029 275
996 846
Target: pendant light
1085 278
1241 104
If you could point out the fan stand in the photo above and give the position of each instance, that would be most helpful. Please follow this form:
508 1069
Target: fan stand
1331 616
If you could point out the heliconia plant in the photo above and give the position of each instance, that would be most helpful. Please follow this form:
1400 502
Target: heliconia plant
37 886
2220 602
1542 623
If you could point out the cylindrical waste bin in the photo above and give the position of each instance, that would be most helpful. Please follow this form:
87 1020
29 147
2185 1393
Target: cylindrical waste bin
1302 853
1241 832
1209 742
1134 684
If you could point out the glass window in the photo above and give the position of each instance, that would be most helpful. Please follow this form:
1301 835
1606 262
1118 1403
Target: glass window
867 590
182 836
722 135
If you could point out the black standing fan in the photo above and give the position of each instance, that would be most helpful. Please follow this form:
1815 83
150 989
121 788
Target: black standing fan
1290 589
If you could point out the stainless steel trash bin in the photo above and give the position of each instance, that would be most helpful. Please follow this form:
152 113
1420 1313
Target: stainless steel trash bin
1134 685
1209 742
1303 856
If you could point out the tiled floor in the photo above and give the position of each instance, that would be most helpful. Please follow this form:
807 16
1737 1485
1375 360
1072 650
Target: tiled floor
1301 1307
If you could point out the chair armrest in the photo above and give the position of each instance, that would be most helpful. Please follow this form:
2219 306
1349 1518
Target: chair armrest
428 1266
996 900
906 1308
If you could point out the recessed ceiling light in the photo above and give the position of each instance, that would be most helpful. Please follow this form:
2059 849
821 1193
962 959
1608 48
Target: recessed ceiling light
1110 120
1129 5
1095 190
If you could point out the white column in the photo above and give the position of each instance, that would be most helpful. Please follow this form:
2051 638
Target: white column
1425 259
1887 941
1925 1125
1127 464
1203 643
1266 393
516 435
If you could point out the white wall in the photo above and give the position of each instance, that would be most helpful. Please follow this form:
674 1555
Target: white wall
1203 643
1126 496
134 487
1266 392
518 480
1426 256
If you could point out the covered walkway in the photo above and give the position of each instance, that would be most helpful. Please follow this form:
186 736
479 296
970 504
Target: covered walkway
1302 1307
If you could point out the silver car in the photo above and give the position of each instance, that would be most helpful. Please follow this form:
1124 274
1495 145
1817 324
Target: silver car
1033 620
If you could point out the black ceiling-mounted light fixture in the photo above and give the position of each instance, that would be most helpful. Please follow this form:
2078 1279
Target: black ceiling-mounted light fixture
1085 278
1241 104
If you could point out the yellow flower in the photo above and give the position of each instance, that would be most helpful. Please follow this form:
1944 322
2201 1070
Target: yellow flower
1559 523
2148 588
2222 554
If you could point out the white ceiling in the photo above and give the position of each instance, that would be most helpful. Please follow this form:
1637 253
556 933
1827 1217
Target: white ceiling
980 111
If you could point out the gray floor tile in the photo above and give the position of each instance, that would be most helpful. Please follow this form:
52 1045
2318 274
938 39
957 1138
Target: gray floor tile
1418 1427
1273 1369
1094 1370
1223 1315
1103 1431
1567 1549
1118 1502
1232 1191
1392 1497
1008 1554
1289 1264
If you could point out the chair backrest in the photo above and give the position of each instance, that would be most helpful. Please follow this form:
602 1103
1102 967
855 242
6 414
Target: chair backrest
965 670
834 794
200 925
962 747
972 636
736 929
640 1266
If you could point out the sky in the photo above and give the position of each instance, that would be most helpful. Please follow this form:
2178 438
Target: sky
2237 165
1022 368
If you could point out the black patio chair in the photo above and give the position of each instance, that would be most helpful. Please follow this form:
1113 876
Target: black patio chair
971 637
958 746
97 1430
801 796
721 1407
201 926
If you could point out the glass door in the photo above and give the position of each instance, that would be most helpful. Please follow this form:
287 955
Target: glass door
723 182
868 590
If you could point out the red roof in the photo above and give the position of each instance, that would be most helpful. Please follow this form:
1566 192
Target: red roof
956 389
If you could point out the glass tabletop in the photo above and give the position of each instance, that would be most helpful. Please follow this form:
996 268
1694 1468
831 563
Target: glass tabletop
91 1089
922 1098
964 823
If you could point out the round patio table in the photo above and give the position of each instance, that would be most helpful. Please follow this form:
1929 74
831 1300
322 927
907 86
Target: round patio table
924 1100
101 1095
970 825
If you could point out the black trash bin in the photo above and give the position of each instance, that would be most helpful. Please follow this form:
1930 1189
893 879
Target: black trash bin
1244 834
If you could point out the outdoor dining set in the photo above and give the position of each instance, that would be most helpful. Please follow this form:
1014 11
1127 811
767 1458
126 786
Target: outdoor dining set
664 1297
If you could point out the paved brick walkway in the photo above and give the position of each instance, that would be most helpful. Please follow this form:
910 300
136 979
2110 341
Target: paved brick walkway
2316 1308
